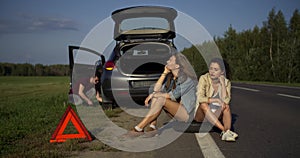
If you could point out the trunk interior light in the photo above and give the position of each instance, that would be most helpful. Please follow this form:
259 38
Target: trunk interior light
109 65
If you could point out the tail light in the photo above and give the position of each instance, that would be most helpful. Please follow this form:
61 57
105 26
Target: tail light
109 65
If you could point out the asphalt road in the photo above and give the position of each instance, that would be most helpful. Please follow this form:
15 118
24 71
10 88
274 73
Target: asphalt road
267 120
265 117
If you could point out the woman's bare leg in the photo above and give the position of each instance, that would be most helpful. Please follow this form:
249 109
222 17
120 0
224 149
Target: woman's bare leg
174 108
209 115
154 122
227 118
155 110
200 115
177 110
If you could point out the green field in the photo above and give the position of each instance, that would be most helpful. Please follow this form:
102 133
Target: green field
31 108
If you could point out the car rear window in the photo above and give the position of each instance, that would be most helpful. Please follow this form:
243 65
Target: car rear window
143 23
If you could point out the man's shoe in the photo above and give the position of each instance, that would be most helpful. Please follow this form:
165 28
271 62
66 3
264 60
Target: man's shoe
227 136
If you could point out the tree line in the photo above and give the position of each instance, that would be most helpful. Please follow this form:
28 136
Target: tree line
26 69
267 53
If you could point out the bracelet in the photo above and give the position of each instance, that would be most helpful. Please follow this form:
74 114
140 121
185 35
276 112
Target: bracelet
164 74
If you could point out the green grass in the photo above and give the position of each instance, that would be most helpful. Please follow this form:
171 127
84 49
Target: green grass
113 113
30 110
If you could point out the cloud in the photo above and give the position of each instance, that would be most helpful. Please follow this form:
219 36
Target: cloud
49 23
24 23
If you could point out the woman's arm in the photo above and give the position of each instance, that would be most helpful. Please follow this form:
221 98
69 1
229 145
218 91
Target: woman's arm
159 82
202 95
98 97
83 96
157 86
225 89
159 94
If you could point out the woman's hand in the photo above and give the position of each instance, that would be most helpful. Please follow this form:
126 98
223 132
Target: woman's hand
222 104
148 99
217 100
167 70
222 79
90 102
160 94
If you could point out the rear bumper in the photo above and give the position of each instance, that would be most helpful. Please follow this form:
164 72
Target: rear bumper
120 87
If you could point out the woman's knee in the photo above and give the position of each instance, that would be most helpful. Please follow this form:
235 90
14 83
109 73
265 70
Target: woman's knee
226 108
198 118
158 101
200 112
183 118
204 107
161 100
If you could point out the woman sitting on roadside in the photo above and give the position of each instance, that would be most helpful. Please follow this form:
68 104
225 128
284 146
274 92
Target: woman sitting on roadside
177 97
213 97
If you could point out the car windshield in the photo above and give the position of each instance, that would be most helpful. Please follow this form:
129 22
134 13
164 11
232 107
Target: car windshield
143 23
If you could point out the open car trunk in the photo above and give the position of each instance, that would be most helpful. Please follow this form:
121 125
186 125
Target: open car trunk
144 21
143 59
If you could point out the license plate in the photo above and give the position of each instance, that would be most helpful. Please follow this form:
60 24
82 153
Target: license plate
140 52
138 84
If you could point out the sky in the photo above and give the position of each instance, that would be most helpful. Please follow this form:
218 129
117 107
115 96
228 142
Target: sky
35 31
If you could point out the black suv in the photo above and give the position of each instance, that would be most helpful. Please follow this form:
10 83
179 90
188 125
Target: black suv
144 42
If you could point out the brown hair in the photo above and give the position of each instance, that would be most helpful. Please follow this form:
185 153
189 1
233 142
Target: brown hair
185 70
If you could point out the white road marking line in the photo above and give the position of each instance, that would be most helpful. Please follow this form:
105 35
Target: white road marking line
208 146
290 96
247 89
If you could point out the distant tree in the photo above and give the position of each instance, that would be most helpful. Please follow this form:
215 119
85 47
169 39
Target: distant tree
269 53
196 60
277 33
231 53
10 69
39 70
1 70
294 48
270 25
281 47
58 70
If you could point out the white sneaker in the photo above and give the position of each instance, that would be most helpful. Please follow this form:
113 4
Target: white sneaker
234 135
227 136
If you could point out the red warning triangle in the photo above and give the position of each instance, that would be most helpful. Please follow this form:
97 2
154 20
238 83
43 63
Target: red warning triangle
58 135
